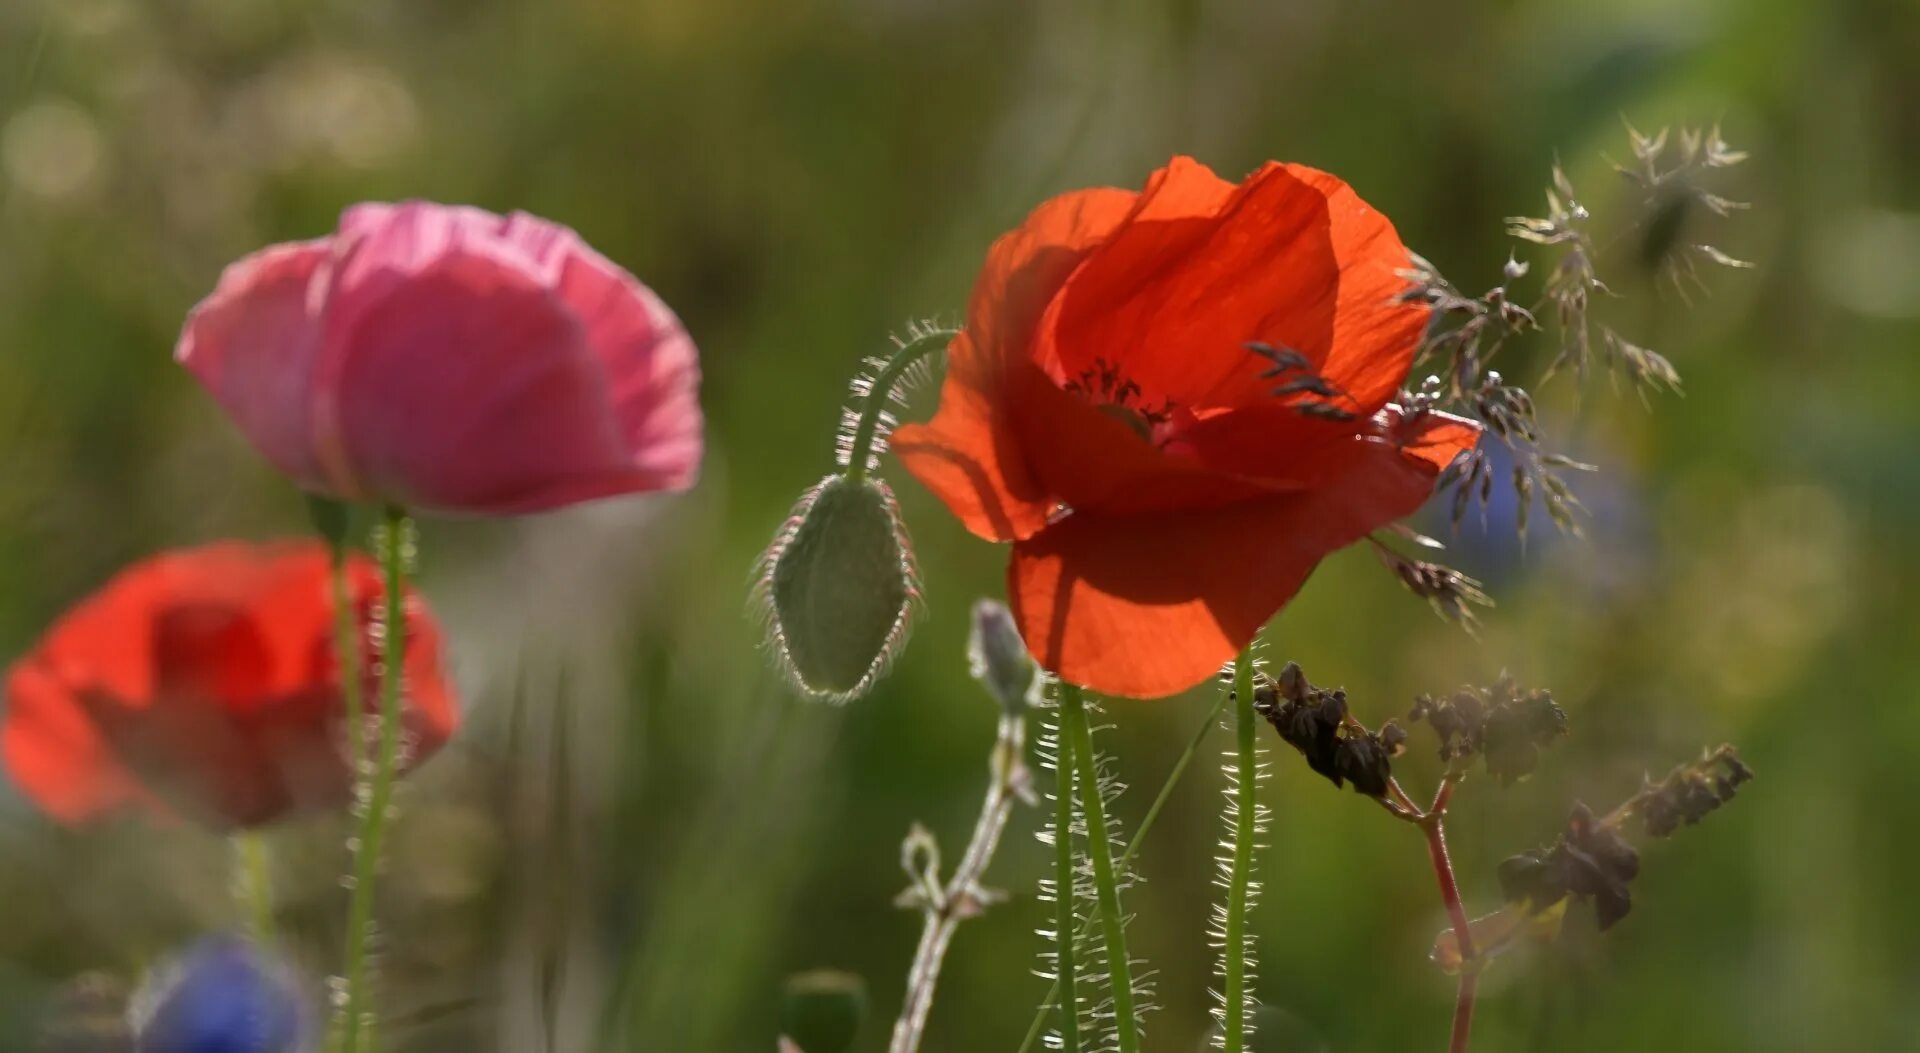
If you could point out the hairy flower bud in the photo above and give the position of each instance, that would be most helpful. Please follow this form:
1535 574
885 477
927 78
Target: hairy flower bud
839 583
998 657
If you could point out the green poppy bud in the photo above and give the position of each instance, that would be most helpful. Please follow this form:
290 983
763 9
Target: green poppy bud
839 585
822 1011
998 657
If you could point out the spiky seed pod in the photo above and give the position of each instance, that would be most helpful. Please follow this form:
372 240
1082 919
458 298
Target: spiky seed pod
839 587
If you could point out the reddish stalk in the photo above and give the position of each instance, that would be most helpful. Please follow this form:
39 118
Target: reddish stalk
1434 825
1463 1011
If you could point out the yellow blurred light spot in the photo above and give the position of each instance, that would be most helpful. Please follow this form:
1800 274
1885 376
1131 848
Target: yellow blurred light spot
52 149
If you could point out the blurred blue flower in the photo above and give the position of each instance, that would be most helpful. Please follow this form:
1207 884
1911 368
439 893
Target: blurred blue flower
1490 547
226 995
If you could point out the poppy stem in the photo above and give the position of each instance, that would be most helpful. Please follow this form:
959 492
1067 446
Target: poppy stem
880 391
1139 837
1235 949
1073 723
332 520
253 882
963 897
357 1025
1067 933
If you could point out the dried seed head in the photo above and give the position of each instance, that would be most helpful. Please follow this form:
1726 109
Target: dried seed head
1314 721
998 657
1590 861
839 587
1452 595
1506 728
1691 791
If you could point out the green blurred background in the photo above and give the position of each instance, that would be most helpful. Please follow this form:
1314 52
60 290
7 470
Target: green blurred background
638 813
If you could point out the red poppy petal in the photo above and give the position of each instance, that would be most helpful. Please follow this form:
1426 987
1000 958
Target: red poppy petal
55 754
1292 257
1092 460
1146 606
970 455
212 650
1374 334
1027 265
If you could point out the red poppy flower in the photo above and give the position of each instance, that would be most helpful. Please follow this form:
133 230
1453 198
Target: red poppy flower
1102 411
447 358
204 683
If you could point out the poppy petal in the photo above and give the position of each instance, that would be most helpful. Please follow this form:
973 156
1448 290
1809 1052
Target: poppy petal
253 345
1291 257
1027 265
1146 606
55 753
1093 460
969 454
643 345
427 376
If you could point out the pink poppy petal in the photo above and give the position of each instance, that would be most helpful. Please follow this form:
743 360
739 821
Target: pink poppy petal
254 345
652 368
469 387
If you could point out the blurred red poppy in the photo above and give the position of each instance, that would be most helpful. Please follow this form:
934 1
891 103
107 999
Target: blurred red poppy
446 358
1167 488
204 683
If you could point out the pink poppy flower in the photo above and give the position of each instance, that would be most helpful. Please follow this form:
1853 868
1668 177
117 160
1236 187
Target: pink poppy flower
445 358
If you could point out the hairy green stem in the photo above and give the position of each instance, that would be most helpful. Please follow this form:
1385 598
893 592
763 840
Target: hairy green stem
253 882
1233 1021
1066 932
346 645
1073 721
910 353
1160 799
357 1027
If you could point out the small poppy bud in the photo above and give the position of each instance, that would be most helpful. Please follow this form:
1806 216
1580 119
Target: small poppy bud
840 584
822 1011
225 994
998 657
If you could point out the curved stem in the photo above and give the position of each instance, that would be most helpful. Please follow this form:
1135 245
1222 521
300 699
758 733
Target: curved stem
1160 799
1233 1021
1434 826
358 1026
1073 720
1066 932
910 353
963 896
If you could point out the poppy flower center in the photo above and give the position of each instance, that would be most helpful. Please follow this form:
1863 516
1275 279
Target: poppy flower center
1113 394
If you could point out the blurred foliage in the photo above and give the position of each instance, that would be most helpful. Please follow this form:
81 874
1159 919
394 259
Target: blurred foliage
639 807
